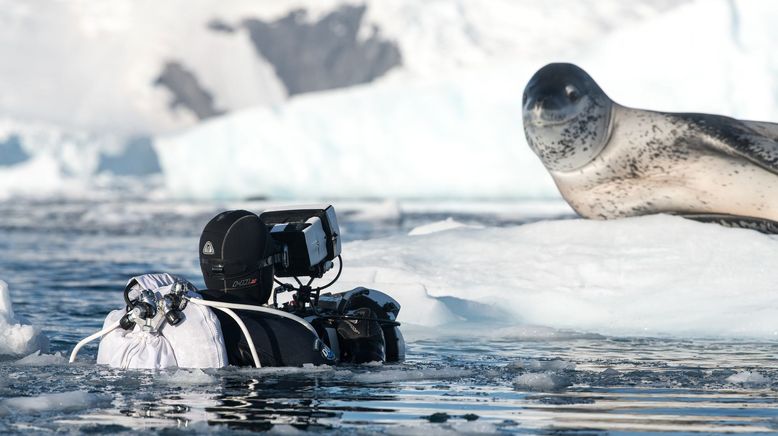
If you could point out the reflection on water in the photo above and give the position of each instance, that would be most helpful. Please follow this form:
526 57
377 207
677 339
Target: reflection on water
440 387
66 274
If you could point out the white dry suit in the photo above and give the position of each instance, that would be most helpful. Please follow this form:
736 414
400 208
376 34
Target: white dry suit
196 342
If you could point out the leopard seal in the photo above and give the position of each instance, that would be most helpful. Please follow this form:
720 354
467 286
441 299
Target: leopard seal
612 161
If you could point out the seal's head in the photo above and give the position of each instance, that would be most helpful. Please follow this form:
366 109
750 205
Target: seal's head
567 117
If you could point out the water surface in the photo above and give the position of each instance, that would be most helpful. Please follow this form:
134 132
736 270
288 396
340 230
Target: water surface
67 262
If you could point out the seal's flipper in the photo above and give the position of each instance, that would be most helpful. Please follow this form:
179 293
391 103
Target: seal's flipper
742 222
756 141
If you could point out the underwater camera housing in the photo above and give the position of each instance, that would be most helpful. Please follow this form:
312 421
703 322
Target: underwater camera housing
308 239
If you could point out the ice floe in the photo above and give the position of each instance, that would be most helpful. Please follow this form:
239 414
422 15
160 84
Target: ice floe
17 338
651 275
41 359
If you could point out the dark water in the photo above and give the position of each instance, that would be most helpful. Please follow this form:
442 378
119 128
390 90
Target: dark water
66 264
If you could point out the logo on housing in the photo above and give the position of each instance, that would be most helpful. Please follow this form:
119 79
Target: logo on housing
327 353
244 282
208 248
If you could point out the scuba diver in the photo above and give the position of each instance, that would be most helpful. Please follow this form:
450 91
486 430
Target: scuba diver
240 253
168 322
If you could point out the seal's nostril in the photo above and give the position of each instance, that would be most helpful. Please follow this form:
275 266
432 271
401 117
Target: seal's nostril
548 103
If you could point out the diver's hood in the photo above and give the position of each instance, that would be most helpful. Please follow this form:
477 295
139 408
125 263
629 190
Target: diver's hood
234 248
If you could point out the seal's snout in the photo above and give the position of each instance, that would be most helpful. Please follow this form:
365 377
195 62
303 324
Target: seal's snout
550 105
561 101
554 93
547 102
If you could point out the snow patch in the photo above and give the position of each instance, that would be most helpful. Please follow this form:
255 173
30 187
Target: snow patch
17 338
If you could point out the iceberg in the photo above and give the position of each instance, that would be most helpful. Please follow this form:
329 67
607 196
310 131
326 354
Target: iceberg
446 124
458 134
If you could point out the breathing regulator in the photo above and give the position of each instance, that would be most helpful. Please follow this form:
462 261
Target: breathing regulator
144 308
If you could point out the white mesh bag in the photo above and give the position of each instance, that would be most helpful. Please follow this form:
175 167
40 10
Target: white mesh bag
196 342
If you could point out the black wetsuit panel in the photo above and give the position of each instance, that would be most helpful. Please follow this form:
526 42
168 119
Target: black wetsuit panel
279 341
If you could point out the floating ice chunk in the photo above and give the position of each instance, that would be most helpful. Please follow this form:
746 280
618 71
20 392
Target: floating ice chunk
61 402
440 226
542 382
17 338
39 359
187 377
751 378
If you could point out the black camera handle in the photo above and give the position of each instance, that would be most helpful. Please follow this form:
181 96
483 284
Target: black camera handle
304 293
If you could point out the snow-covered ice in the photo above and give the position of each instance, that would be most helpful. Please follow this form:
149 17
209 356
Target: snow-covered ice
649 275
17 338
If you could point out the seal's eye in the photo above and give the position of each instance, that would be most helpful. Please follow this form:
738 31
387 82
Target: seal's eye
524 99
572 93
